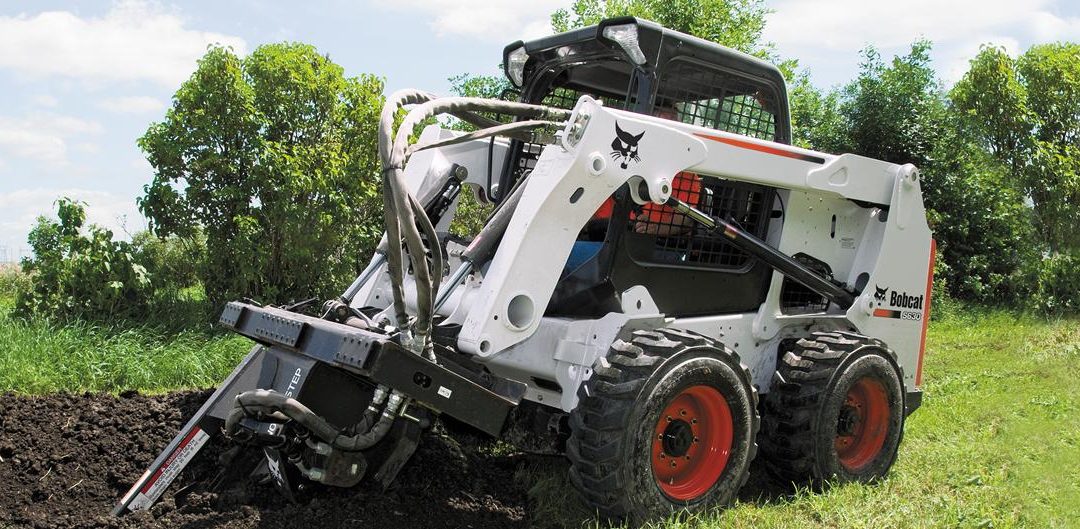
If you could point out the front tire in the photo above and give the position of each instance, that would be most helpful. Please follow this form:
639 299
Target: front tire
666 423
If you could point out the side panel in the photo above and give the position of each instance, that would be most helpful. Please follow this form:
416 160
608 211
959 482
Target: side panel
895 306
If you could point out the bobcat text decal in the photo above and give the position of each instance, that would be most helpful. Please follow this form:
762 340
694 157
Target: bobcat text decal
625 146
897 303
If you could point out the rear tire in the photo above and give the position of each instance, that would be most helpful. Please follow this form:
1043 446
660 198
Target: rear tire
666 423
835 410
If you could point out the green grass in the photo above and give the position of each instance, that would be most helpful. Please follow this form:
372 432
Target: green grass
995 444
38 356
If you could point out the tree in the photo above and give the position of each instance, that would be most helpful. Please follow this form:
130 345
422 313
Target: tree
993 104
489 86
1025 112
273 158
815 115
890 112
983 228
1051 76
733 23
897 112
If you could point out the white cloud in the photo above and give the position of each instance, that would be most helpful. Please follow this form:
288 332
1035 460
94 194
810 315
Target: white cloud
117 213
132 104
826 31
45 100
849 24
42 137
490 20
88 147
134 41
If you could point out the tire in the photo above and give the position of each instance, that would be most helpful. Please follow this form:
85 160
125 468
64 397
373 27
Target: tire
835 411
666 423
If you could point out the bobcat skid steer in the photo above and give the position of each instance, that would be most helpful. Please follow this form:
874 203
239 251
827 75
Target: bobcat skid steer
665 285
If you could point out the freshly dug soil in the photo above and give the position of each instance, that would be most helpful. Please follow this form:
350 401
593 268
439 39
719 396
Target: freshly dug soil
65 460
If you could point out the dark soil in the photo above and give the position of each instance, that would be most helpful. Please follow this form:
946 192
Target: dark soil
65 460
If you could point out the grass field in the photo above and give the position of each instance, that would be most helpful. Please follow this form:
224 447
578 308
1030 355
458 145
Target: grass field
40 356
995 444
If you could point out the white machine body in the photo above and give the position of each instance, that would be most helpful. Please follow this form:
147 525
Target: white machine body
864 218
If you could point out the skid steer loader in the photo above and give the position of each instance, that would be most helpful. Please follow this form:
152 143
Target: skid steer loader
665 285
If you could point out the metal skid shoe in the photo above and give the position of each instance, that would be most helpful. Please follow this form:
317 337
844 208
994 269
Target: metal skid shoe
327 404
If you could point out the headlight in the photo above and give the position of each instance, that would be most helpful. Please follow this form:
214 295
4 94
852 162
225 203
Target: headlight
627 37
515 66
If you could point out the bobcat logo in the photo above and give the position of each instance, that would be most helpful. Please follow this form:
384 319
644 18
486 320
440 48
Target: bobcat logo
879 293
625 146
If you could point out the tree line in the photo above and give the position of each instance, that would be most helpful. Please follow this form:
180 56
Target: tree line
266 181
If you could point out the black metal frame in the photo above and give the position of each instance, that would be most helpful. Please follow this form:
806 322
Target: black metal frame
482 402
577 60
696 272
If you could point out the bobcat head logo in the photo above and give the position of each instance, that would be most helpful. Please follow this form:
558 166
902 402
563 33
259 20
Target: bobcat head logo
625 146
879 293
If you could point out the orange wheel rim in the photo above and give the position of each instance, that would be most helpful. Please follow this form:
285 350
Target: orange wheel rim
863 424
692 442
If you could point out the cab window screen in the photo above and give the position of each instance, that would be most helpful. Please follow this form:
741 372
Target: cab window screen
713 98
561 97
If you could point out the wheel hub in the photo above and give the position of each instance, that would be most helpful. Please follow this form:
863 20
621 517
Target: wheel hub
845 424
678 436
862 425
692 442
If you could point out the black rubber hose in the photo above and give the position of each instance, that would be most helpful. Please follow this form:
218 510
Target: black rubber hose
404 205
262 400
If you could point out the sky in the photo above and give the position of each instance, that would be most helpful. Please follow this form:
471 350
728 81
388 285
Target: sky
81 81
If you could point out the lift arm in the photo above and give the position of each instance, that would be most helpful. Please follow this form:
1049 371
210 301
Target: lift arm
778 260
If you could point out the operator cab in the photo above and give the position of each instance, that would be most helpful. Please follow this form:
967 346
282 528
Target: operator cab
637 65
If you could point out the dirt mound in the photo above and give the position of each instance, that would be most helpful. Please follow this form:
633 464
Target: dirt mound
67 459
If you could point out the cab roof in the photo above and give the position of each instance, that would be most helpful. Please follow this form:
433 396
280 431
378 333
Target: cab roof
657 43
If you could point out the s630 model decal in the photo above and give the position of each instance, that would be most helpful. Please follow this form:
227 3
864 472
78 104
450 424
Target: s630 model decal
898 305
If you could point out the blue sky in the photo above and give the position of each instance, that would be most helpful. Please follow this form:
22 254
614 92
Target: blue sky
81 81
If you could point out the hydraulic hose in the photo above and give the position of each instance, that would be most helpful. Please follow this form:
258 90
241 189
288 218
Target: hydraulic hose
404 215
271 403
393 198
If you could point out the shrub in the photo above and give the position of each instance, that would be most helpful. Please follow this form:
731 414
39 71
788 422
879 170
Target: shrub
12 280
173 262
1059 284
79 271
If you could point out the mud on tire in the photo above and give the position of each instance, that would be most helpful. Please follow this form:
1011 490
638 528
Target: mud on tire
835 410
669 404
